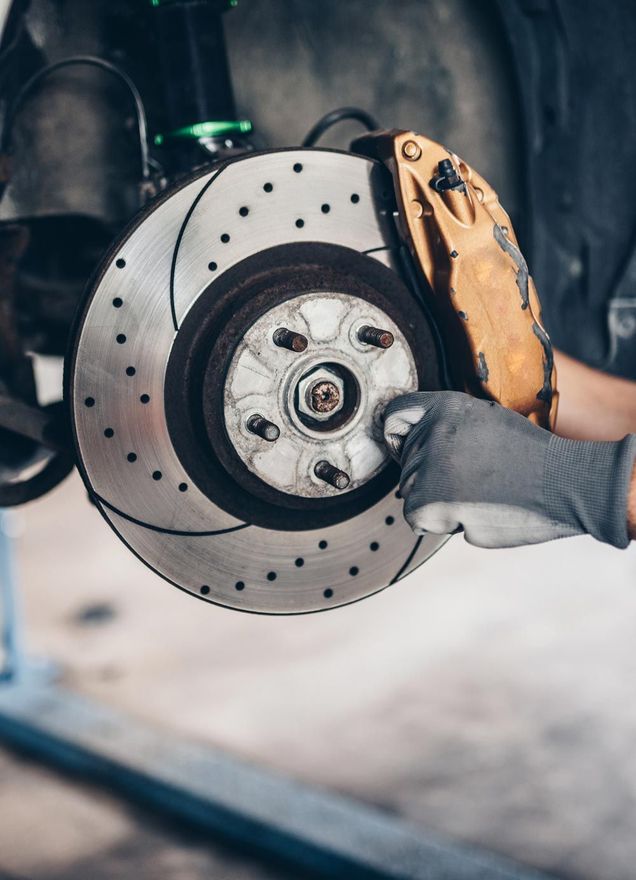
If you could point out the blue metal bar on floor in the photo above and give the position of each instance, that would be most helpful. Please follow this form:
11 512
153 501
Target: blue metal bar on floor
264 813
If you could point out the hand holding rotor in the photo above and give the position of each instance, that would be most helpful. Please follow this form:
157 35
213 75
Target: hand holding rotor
474 466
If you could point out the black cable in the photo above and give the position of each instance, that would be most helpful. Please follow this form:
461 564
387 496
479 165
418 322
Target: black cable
92 61
339 115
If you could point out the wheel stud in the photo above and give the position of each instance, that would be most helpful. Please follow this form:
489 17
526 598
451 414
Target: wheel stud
375 336
267 430
332 475
285 338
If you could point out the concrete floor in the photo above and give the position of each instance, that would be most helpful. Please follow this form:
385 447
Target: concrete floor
490 696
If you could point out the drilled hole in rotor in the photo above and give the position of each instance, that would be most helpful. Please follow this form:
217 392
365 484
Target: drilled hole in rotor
130 371
328 593
354 570
323 545
225 238
145 398
121 338
300 223
325 208
157 475
271 575
204 590
268 187
212 266
298 167
355 198
108 432
183 487
389 520
397 494
90 401
244 211
131 457
239 585
374 546
299 562
118 302
120 263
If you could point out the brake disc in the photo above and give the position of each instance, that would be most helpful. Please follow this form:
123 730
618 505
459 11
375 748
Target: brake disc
227 380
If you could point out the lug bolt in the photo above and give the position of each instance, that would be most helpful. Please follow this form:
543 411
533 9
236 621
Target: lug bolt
265 429
332 475
375 336
285 338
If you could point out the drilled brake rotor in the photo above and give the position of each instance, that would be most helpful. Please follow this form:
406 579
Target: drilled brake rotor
180 351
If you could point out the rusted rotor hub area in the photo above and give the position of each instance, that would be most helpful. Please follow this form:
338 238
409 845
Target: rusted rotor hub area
308 422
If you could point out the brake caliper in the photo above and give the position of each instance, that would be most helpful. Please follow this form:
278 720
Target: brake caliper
479 288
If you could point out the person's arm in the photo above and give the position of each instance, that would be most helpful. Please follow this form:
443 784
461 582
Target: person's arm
631 508
593 405
596 406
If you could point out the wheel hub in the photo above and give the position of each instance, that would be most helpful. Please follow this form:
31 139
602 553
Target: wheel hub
326 402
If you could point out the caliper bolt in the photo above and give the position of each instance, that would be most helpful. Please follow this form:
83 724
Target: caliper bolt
285 338
375 336
265 429
332 475
411 150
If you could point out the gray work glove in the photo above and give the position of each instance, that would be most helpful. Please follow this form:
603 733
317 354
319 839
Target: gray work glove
472 465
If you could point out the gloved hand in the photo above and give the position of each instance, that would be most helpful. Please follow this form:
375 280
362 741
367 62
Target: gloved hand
472 465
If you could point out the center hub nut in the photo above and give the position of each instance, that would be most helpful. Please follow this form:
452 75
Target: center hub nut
324 397
321 393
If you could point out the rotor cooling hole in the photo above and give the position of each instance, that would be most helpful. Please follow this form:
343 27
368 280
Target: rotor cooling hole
328 593
120 263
